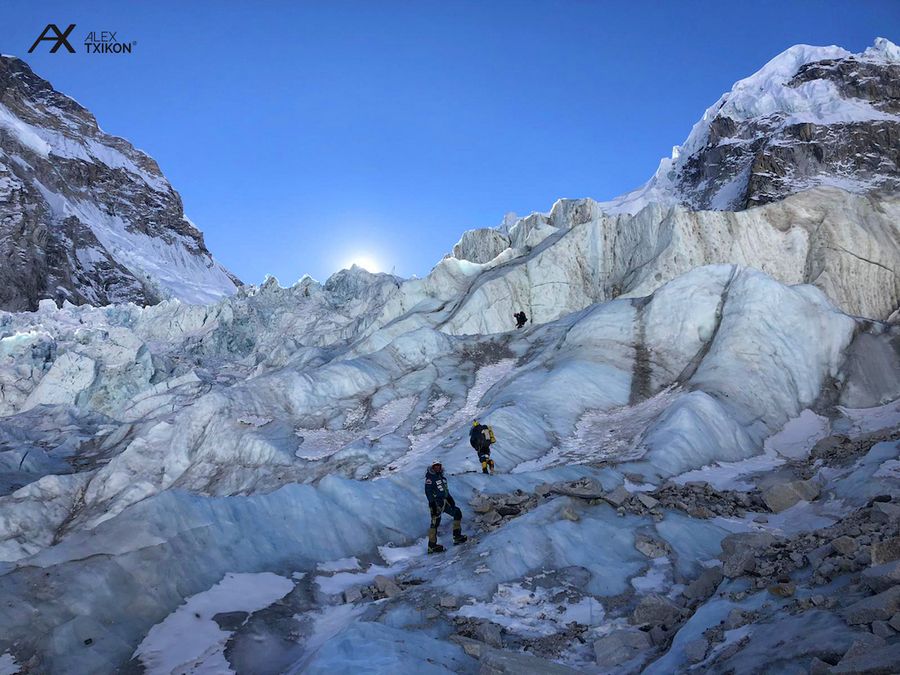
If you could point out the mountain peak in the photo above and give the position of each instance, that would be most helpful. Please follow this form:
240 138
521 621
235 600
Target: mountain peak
883 50
810 116
86 217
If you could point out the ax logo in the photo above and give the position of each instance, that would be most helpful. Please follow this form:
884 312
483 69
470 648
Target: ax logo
61 39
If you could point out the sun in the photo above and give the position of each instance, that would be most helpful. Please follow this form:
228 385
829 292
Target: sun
367 262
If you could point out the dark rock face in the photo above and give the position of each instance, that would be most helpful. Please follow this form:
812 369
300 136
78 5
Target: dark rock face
848 137
778 163
84 216
878 83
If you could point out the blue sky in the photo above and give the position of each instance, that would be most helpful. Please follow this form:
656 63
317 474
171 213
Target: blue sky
304 135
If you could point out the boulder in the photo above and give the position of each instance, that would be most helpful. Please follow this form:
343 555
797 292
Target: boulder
747 540
516 499
620 647
895 622
886 551
492 517
656 609
650 547
659 636
863 643
473 648
784 590
882 629
784 495
695 650
844 545
481 505
882 577
699 511
387 586
585 489
496 662
818 554
872 661
739 563
885 512
879 607
739 551
490 634
737 618
705 585
617 497
352 594
449 602
648 501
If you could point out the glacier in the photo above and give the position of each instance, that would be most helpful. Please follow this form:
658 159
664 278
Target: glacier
698 433
149 453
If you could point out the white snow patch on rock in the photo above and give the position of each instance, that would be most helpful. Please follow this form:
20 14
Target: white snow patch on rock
189 639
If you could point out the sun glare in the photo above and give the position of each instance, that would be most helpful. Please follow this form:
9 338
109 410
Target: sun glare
367 262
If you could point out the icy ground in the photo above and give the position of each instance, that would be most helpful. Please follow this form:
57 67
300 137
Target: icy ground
238 487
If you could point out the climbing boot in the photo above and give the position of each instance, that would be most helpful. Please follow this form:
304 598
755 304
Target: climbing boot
459 538
436 548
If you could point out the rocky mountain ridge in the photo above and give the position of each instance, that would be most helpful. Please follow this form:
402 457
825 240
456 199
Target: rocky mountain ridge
812 116
84 216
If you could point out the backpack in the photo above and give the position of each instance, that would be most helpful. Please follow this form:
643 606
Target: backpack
475 436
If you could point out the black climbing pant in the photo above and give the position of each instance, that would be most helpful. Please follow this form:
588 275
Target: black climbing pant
451 509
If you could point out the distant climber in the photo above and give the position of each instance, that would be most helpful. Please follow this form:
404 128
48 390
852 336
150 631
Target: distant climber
520 318
481 437
440 501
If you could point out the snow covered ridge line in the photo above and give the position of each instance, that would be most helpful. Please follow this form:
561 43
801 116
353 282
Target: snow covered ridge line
112 229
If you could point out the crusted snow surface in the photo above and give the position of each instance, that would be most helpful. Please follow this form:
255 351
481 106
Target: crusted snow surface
793 442
190 641
8 665
340 565
613 435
